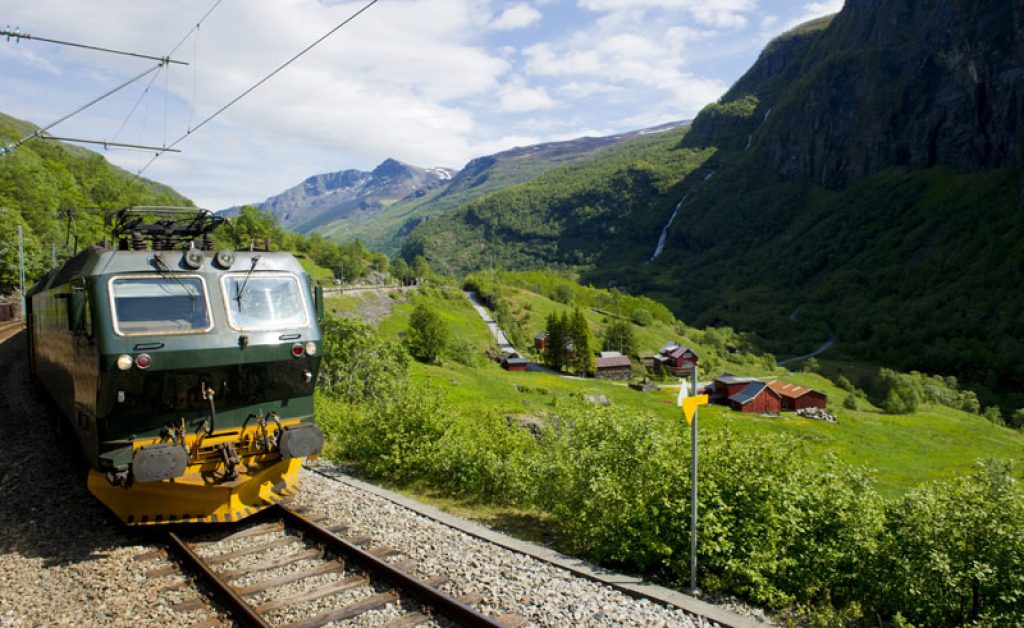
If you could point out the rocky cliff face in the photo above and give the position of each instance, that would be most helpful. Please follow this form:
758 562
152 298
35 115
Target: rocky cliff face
324 198
886 83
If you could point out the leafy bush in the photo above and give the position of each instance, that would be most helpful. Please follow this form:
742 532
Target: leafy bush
428 334
952 553
642 317
357 364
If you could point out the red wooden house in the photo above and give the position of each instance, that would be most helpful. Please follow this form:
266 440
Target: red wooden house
756 397
540 341
676 359
513 362
727 385
798 397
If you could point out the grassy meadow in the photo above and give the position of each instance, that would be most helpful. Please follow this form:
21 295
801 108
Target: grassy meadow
900 451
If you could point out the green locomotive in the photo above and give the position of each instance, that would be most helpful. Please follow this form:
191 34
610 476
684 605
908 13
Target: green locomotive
187 374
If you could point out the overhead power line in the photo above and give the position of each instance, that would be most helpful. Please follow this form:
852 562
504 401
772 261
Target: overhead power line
92 102
18 36
253 87
106 144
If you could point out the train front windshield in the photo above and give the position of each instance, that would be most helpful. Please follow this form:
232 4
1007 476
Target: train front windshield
159 305
265 302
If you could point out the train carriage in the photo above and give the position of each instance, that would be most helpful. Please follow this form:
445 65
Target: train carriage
186 374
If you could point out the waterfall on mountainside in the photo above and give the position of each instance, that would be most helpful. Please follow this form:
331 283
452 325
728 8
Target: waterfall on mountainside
664 232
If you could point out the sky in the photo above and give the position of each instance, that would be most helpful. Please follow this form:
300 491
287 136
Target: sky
427 82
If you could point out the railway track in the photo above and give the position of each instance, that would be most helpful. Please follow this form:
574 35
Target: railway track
302 574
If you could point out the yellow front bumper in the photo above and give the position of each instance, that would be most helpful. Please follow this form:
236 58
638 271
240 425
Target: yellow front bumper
193 499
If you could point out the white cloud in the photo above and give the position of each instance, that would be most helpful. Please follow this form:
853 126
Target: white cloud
516 16
814 10
716 13
394 82
516 96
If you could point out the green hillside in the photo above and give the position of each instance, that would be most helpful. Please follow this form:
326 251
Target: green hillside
387 231
893 224
829 523
902 450
571 216
42 178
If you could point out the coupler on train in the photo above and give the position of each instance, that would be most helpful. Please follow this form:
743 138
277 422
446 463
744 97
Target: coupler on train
210 476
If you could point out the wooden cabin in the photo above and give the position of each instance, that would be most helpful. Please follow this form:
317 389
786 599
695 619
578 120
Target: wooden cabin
513 362
613 365
796 397
756 397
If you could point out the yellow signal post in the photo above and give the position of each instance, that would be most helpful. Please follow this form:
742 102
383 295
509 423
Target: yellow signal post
689 404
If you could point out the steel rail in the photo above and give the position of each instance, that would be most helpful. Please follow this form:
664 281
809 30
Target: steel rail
440 601
245 613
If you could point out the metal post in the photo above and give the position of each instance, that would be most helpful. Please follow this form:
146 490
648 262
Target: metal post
693 497
21 268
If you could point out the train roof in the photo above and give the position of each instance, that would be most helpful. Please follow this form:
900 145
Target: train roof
97 260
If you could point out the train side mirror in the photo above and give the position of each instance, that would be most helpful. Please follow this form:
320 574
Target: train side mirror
76 311
318 301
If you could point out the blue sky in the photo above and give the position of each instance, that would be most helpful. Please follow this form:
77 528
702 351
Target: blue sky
428 82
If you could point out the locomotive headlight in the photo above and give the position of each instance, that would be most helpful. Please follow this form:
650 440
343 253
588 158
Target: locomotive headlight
124 362
310 348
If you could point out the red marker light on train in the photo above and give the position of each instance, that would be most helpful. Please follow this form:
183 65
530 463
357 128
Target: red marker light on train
143 360
297 350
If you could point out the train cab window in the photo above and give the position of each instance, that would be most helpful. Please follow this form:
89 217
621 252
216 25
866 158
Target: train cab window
261 301
159 305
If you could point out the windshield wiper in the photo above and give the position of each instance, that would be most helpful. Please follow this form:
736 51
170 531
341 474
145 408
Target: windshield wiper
240 290
165 271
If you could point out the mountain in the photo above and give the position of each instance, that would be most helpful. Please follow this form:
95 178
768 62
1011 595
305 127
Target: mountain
352 196
387 230
863 178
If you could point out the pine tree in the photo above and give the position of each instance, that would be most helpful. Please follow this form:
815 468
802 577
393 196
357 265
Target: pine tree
619 337
583 361
554 349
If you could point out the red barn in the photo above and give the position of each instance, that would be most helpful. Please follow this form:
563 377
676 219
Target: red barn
798 397
540 341
513 362
756 397
727 385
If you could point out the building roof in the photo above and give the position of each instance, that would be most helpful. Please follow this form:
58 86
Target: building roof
610 354
729 378
790 391
749 393
516 360
541 335
613 362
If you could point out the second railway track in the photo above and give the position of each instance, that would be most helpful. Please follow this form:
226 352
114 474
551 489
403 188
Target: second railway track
288 570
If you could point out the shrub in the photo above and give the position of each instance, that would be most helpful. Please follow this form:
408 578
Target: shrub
850 402
642 317
993 414
900 393
357 364
428 334
1017 419
952 553
811 365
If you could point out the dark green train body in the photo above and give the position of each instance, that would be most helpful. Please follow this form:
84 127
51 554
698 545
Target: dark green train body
179 370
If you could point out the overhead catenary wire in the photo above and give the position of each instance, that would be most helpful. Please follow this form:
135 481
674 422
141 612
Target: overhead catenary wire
252 88
39 132
18 36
